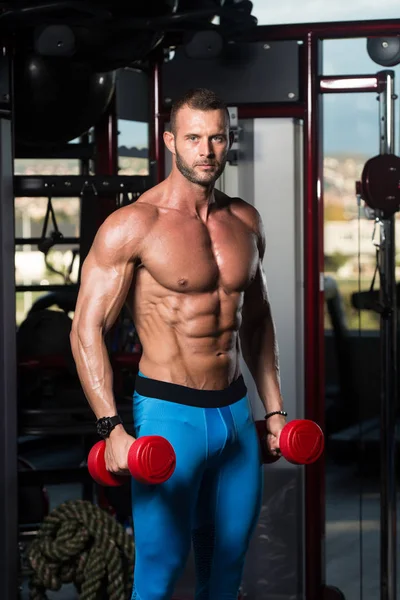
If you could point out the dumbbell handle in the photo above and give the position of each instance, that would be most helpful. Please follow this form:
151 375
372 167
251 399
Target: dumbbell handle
97 467
301 442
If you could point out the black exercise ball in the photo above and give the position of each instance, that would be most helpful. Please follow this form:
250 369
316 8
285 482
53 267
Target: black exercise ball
57 100
45 333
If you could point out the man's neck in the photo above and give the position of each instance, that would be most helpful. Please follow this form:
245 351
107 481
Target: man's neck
184 195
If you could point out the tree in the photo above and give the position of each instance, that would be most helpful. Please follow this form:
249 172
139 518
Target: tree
335 261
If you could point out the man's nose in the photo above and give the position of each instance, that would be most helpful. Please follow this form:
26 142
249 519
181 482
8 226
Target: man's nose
206 148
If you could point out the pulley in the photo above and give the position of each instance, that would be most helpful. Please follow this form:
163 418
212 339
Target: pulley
380 184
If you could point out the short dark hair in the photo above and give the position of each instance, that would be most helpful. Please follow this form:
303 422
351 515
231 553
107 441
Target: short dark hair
197 99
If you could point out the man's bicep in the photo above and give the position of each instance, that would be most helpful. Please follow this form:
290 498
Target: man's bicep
105 280
103 291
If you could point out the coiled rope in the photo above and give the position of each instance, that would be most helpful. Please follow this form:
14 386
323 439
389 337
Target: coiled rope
80 543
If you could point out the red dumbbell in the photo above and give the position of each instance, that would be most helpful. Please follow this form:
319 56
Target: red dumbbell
301 442
151 459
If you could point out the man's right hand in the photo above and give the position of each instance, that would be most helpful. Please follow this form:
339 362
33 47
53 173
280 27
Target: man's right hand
116 453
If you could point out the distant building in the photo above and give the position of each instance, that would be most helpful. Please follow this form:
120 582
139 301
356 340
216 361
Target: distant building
342 237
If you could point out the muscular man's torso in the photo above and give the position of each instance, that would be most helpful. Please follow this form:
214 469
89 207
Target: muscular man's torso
188 290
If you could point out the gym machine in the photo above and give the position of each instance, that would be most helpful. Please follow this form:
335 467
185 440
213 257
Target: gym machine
253 114
92 43
379 189
300 105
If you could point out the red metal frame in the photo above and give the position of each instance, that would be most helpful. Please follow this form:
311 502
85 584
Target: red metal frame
106 161
94 210
324 31
156 150
314 343
310 111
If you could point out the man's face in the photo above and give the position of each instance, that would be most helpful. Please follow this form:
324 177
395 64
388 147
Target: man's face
201 144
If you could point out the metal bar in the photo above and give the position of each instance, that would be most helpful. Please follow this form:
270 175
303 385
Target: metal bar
84 169
86 186
296 110
106 161
54 476
35 240
44 288
300 31
79 151
84 166
387 293
313 318
157 124
349 83
386 114
8 370
94 210
338 29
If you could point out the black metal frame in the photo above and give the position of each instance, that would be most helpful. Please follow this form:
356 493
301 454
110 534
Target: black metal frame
100 195
312 35
8 375
81 151
37 186
51 287
383 84
314 85
389 388
65 241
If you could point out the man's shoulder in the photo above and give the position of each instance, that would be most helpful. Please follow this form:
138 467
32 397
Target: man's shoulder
139 214
246 212
125 230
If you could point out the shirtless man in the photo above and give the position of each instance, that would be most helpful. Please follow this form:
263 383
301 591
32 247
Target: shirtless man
188 260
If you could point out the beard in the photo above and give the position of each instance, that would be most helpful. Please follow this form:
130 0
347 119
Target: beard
204 179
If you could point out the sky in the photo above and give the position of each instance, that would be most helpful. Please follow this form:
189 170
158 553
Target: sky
350 120
270 12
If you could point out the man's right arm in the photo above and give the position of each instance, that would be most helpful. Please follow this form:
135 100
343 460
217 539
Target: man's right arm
105 281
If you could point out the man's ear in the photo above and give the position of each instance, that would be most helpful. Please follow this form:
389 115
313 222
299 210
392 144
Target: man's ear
169 141
231 139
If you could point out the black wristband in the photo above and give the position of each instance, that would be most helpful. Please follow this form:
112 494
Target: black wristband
105 425
276 412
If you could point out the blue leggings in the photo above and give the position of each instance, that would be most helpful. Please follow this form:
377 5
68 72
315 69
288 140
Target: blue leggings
213 498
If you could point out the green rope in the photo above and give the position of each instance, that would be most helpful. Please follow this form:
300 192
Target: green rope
80 543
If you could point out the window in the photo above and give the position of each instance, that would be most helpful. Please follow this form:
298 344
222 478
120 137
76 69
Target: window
314 11
133 147
62 260
351 137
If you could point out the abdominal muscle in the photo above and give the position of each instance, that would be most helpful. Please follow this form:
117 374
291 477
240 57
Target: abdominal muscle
189 339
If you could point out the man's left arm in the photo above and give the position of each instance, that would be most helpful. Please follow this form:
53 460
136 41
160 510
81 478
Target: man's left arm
260 348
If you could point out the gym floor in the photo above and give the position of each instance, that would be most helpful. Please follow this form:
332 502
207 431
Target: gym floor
353 549
346 542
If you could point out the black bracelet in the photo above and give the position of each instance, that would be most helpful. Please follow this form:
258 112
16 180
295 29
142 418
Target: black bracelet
276 412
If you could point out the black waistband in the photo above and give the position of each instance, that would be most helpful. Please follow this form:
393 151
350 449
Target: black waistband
191 396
